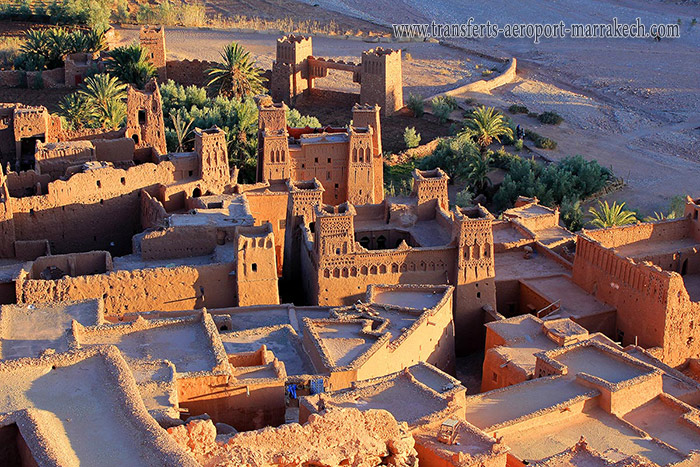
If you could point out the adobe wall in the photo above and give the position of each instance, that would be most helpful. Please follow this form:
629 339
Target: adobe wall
343 279
189 72
90 210
24 183
682 330
54 158
668 230
428 456
161 288
530 300
271 206
245 407
114 150
152 212
639 292
431 340
179 242
12 78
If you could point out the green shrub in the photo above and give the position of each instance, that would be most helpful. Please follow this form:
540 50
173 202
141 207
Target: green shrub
410 137
533 114
464 198
416 105
452 155
550 118
546 143
442 109
517 109
518 145
297 120
571 214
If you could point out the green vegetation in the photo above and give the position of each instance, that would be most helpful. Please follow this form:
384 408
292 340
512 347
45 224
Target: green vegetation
607 215
236 75
297 120
410 137
540 141
443 106
518 145
517 109
44 49
77 110
675 211
572 214
416 105
550 118
484 125
131 65
453 156
464 198
9 51
106 94
97 14
573 178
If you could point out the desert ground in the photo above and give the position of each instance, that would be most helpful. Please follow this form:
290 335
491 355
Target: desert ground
631 104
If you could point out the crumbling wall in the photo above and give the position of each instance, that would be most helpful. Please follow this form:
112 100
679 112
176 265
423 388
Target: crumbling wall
189 72
153 213
54 158
179 242
123 291
340 437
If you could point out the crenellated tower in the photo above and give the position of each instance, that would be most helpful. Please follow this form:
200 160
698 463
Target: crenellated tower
303 197
144 117
430 190
361 173
334 231
382 81
256 266
475 273
210 146
367 116
290 68
273 147
152 38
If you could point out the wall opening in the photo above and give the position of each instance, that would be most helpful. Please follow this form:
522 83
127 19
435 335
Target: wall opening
142 117
196 193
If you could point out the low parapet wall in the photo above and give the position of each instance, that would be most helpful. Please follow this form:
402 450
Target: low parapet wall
188 72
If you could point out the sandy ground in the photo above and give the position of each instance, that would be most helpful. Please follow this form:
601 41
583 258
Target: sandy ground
632 104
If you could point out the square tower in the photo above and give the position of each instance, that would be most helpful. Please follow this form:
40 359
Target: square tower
382 79
430 189
152 38
367 116
475 287
290 72
273 146
361 175
144 117
334 231
210 146
256 266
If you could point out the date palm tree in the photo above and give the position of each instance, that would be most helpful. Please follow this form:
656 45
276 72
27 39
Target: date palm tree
611 215
131 65
106 94
236 75
484 125
182 128
78 110
477 173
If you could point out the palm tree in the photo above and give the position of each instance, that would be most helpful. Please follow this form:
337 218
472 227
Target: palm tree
77 109
611 215
182 129
107 95
485 124
131 65
236 76
477 173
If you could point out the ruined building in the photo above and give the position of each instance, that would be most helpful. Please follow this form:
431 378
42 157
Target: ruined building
295 69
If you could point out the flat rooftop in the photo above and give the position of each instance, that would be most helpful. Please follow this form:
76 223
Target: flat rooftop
601 430
596 362
27 330
574 302
281 340
85 408
512 265
504 405
426 233
408 298
343 341
222 254
222 211
185 342
648 248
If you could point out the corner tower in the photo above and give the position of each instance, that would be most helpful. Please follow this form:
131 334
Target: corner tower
152 38
367 116
144 117
210 146
475 288
273 146
290 74
382 79
256 266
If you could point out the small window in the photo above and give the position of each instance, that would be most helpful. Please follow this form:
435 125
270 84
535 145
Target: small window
495 377
282 224
328 175
190 173
254 267
478 295
695 215
329 160
99 184
142 117
303 166
123 180
316 160
336 185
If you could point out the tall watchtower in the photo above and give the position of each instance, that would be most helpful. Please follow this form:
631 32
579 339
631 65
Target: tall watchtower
334 230
430 190
290 72
152 38
475 287
361 174
304 196
367 116
273 147
382 79
256 266
144 117
210 146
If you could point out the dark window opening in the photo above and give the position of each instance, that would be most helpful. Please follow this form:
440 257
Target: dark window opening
254 267
135 137
142 117
196 193
123 181
364 241
191 173
381 242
